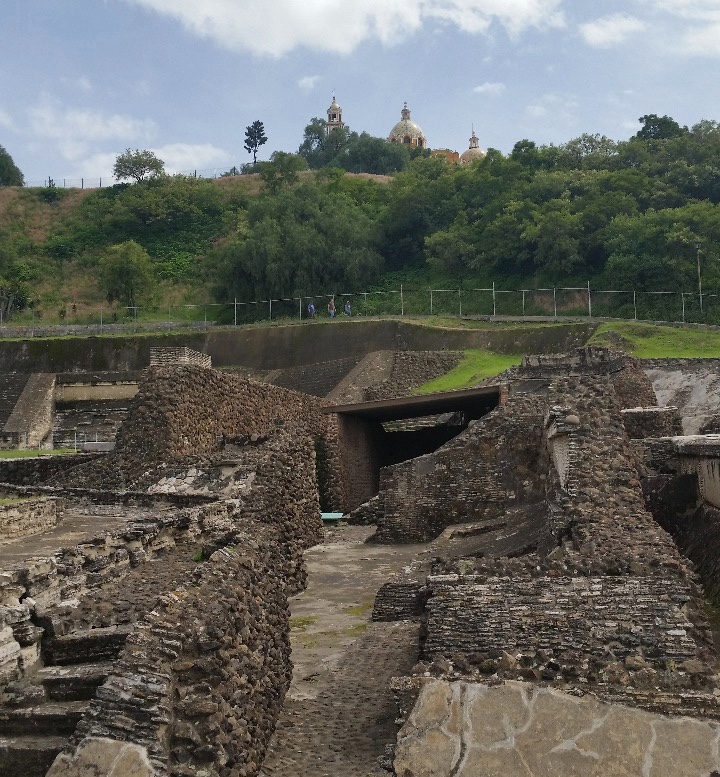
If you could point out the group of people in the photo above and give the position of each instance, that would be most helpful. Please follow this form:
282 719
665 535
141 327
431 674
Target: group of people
312 313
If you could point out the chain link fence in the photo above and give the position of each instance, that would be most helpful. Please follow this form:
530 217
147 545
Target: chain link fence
550 303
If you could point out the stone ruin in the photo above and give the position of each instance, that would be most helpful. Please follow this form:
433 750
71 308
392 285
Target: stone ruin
563 627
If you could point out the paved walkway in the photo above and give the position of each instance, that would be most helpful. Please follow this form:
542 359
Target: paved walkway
339 713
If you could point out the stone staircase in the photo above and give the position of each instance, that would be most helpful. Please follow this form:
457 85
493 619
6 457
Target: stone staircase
40 713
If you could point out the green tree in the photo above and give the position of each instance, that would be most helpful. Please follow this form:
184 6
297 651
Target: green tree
281 171
138 164
254 138
659 128
126 273
10 175
305 240
366 154
321 148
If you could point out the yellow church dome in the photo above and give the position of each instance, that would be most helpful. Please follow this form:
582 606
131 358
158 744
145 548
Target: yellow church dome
407 132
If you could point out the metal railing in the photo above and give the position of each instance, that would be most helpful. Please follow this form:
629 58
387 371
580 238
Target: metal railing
555 303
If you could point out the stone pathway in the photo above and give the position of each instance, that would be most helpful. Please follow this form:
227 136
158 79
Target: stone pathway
339 713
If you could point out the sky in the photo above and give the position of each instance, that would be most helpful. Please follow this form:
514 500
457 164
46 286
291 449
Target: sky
83 80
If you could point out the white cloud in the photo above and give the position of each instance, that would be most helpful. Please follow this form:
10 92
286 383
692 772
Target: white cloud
493 89
611 30
6 120
81 84
187 157
560 108
276 27
74 129
695 24
307 83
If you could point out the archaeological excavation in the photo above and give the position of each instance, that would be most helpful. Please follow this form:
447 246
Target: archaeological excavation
523 579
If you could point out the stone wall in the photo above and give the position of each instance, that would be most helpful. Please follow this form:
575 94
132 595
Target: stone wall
182 355
197 409
492 466
213 659
38 469
608 603
203 674
29 516
642 422
317 379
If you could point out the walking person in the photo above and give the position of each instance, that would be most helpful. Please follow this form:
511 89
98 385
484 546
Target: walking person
346 308
331 307
311 310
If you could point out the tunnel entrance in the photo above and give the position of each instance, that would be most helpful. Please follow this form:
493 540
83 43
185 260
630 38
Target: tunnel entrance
378 434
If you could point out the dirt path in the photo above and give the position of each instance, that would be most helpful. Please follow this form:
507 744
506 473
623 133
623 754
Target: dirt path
339 713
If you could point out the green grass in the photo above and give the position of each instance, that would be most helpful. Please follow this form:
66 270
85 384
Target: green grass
14 500
475 366
648 341
359 610
301 622
30 453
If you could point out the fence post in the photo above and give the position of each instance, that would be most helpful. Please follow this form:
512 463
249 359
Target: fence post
460 303
271 309
235 307
101 321
589 302
634 305
300 309
523 293
365 294
682 294
554 302
205 314
431 302
494 301
402 301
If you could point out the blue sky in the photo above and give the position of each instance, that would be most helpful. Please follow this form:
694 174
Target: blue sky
82 80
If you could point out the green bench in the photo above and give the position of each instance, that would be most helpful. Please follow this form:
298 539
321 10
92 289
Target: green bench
331 517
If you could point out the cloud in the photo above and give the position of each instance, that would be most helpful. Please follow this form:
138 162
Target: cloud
187 157
556 106
307 83
695 24
611 30
276 27
75 129
493 89
81 84
6 120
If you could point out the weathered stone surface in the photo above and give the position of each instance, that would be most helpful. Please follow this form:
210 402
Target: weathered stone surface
100 757
473 730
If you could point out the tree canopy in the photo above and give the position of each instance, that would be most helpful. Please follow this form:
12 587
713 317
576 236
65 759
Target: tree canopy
138 164
10 174
254 138
126 273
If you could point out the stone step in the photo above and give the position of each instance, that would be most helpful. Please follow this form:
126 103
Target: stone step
84 647
28 756
48 719
73 682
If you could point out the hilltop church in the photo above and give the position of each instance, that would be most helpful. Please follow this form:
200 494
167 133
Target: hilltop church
409 133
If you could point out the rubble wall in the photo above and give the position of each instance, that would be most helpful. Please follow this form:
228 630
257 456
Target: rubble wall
213 662
493 465
196 409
